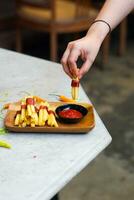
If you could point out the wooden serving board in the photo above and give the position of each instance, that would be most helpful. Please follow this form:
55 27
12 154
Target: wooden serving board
87 123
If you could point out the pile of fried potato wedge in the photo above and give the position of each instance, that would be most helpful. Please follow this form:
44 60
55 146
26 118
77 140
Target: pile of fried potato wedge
33 112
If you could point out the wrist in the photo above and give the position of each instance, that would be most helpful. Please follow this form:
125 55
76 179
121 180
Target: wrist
99 30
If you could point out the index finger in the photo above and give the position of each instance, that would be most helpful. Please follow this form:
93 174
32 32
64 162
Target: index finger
72 61
65 63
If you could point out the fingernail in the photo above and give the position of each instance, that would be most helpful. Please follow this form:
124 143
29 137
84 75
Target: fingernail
79 76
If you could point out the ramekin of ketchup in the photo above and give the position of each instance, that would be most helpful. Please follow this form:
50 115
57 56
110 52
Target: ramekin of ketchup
71 113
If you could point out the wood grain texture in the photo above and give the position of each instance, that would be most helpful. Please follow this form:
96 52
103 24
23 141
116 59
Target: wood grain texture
87 123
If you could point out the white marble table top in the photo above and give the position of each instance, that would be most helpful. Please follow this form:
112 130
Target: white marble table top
39 165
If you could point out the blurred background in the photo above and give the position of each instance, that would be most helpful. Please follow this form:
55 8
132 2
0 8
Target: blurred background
43 28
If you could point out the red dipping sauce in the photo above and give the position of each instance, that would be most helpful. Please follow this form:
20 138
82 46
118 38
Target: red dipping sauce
70 113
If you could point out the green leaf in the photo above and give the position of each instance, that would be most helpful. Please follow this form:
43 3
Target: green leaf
3 131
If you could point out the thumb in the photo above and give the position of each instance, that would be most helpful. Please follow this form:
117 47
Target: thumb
84 68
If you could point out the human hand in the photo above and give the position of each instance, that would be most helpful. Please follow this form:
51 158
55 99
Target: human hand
86 48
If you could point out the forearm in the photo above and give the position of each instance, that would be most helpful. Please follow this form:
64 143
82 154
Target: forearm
113 12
